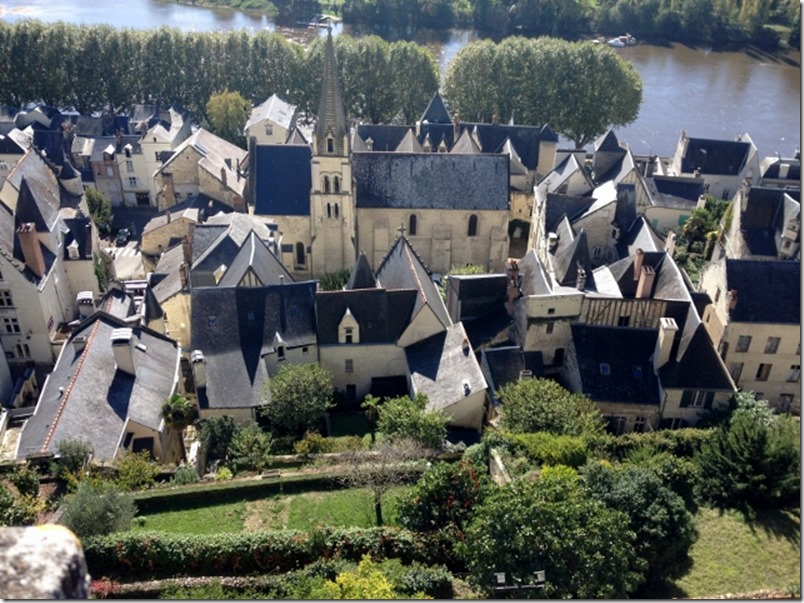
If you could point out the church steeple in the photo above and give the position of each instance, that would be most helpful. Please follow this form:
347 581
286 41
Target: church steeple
331 136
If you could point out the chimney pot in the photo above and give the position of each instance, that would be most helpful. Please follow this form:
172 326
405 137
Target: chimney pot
31 248
123 342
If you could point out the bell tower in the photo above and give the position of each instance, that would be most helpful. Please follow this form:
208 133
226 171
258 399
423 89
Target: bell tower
332 206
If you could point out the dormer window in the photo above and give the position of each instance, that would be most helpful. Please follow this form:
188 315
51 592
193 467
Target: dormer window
280 353
348 335
348 329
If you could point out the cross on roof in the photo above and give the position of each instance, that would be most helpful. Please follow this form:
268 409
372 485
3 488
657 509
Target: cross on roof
402 229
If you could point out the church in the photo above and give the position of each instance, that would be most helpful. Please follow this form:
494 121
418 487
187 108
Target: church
336 191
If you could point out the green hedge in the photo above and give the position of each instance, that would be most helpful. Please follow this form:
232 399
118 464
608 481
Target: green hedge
137 555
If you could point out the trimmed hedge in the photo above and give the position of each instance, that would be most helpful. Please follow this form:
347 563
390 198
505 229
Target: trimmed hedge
135 555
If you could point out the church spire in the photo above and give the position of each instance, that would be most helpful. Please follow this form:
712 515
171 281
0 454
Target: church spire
330 129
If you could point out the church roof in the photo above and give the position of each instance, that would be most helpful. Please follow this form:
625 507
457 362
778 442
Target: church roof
431 181
331 115
283 180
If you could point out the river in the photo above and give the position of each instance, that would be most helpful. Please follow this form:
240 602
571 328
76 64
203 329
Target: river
709 94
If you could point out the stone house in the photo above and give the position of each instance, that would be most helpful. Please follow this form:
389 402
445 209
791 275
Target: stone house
169 228
271 122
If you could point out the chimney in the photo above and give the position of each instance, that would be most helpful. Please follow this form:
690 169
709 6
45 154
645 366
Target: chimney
187 246
223 176
31 248
86 304
664 343
638 258
123 348
732 297
199 369
670 243
183 275
581 281
495 119
456 128
645 284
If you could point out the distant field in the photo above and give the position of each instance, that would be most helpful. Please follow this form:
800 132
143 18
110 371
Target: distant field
345 508
732 556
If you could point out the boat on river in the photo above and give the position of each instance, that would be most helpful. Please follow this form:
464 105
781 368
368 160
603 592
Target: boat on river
622 41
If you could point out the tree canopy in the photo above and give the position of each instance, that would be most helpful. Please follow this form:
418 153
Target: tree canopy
297 397
579 89
227 113
532 405
405 418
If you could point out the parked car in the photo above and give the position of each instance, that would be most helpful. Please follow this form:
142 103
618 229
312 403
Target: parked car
122 236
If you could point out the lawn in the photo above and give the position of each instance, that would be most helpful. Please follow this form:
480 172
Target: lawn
736 556
345 508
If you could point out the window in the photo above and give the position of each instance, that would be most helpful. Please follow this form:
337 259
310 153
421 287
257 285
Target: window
269 130
326 184
212 321
349 335
698 398
336 184
623 321
23 351
795 373
12 325
349 365
763 372
558 359
129 166
639 424
412 225
300 255
305 351
551 310
132 181
335 207
5 299
596 252
330 145
472 232
735 370
549 328
109 170
772 345
785 402
605 369
725 195
616 425
329 210
717 295
743 343
351 392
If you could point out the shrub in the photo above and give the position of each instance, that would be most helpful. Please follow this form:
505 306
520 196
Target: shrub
73 456
216 436
223 474
98 508
136 471
184 475
402 418
315 443
410 580
250 449
548 449
26 480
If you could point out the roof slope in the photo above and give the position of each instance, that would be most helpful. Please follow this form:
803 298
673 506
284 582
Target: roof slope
283 179
724 157
767 291
381 315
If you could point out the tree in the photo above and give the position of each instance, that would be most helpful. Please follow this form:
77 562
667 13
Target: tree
98 508
665 529
100 208
297 397
445 497
748 464
216 436
250 449
386 466
136 471
532 405
179 413
552 524
73 456
227 113
580 89
403 418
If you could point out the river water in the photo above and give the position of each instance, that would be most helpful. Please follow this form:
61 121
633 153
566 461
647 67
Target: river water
709 94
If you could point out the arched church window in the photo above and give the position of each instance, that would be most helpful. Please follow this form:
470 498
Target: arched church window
336 211
337 183
300 255
329 210
326 184
472 231
412 225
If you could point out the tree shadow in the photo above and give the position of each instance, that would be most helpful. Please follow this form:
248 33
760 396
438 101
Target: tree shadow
663 590
778 523
769 56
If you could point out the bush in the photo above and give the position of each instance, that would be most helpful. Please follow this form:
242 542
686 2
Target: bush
548 449
216 436
73 456
184 475
136 471
26 480
402 418
410 580
314 443
97 509
223 474
250 449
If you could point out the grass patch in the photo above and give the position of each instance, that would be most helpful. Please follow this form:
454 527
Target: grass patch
734 555
227 517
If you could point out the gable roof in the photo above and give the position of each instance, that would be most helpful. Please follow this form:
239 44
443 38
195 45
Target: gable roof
282 180
402 269
362 276
381 315
431 181
700 367
762 217
409 144
436 111
570 261
767 291
255 256
443 367
615 363
196 209
219 158
557 206
723 157
235 327
274 109
86 397
218 241
166 278
504 365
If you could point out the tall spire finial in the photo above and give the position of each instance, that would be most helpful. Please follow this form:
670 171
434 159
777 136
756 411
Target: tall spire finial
330 129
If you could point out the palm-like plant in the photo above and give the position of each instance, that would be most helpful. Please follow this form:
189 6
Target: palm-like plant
179 413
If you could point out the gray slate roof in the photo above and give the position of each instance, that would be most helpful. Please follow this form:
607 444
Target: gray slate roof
255 256
97 399
699 368
431 181
767 291
362 276
235 327
281 179
724 157
166 278
504 365
382 315
763 216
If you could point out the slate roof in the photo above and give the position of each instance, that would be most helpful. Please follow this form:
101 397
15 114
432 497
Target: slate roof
557 206
488 327
700 367
436 111
331 117
767 291
409 144
79 232
723 157
9 146
439 368
667 283
503 365
283 180
567 264
477 293
196 209
98 399
382 315
255 256
533 278
762 217
235 327
640 235
402 269
274 109
383 137
117 304
771 167
627 353
676 186
465 144
166 279
431 181
362 276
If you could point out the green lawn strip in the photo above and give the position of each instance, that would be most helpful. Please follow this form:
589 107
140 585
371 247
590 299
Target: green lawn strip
227 517
344 508
735 556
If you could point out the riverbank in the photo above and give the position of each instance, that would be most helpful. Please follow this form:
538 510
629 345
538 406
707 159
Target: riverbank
258 7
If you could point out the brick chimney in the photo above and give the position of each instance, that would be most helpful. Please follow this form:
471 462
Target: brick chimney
199 369
123 343
664 343
31 248
645 284
224 179
638 258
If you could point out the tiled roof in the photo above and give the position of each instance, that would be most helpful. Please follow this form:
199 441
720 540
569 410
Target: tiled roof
283 180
